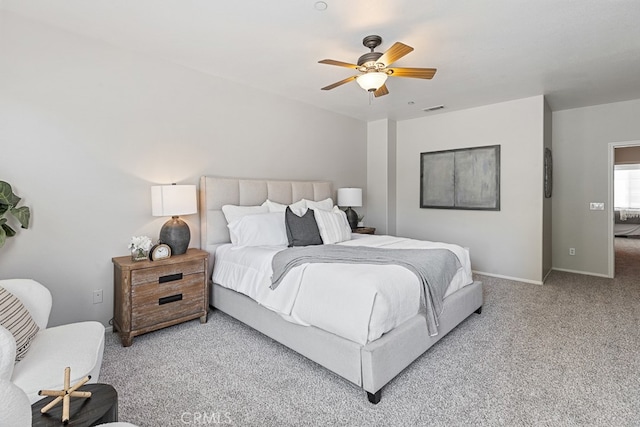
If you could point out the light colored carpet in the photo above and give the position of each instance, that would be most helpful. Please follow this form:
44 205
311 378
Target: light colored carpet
561 354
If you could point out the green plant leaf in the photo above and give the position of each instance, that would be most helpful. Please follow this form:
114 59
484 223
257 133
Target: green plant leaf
6 194
22 214
10 232
8 203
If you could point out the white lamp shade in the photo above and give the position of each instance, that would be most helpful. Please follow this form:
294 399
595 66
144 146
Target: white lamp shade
351 197
371 81
173 200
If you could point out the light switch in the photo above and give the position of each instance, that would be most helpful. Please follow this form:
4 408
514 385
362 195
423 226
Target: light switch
596 206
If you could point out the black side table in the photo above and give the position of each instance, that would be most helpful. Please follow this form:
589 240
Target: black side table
101 407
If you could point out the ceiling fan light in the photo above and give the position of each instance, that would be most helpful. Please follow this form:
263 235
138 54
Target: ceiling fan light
371 81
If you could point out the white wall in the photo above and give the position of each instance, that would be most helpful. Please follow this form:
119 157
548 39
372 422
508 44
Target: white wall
392 178
86 129
581 138
503 243
381 176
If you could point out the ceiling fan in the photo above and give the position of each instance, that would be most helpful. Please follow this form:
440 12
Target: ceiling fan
374 67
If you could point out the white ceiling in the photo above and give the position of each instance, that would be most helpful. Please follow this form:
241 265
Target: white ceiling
575 52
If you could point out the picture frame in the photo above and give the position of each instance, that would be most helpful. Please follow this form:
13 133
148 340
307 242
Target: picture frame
463 178
548 173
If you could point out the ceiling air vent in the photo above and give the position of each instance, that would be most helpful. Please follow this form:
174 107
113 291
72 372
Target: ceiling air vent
434 108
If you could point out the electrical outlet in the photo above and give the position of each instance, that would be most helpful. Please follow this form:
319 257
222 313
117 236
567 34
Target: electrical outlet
572 251
97 296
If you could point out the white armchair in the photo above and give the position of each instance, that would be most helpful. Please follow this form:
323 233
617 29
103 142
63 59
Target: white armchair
16 409
77 345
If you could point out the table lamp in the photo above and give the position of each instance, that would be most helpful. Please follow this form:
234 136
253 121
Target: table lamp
174 200
350 197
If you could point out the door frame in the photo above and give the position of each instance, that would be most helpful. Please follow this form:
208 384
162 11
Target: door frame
610 214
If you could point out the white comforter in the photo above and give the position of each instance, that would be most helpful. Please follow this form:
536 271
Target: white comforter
355 301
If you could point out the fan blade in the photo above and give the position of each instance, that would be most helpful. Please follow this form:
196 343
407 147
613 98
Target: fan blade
341 82
395 52
338 63
382 90
416 73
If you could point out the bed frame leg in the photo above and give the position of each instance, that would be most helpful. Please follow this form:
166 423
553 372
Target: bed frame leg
479 310
375 397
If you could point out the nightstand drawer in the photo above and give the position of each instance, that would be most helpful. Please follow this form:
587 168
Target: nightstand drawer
166 273
154 303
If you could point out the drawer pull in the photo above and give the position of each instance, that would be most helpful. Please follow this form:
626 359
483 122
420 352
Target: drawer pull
170 278
172 298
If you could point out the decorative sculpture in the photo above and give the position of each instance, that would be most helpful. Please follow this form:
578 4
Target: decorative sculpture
65 394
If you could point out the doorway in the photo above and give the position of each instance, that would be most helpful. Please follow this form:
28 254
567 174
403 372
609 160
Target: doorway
630 152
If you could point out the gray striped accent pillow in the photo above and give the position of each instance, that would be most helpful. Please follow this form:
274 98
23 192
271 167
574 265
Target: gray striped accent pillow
333 226
17 320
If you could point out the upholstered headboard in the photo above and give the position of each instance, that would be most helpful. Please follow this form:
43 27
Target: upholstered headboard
216 192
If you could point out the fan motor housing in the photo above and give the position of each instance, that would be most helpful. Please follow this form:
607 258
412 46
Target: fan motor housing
369 57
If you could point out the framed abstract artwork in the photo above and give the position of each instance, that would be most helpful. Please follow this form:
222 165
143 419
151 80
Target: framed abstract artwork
465 178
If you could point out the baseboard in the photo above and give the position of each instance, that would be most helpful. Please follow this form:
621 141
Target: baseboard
536 282
585 273
500 276
108 329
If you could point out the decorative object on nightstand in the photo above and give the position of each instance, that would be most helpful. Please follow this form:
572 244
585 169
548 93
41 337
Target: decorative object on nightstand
139 247
174 200
159 251
350 197
364 230
151 295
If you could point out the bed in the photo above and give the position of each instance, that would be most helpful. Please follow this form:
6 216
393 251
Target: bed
369 365
626 222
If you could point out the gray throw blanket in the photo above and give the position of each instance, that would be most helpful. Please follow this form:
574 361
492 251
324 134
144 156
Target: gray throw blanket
434 268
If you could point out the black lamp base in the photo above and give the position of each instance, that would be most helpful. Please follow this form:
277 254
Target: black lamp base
352 217
176 234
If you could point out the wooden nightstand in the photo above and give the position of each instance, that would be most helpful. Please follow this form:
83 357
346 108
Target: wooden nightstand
364 230
151 295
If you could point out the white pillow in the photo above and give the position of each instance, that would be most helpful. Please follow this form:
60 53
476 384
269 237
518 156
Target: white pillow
325 205
266 229
298 207
333 225
233 212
